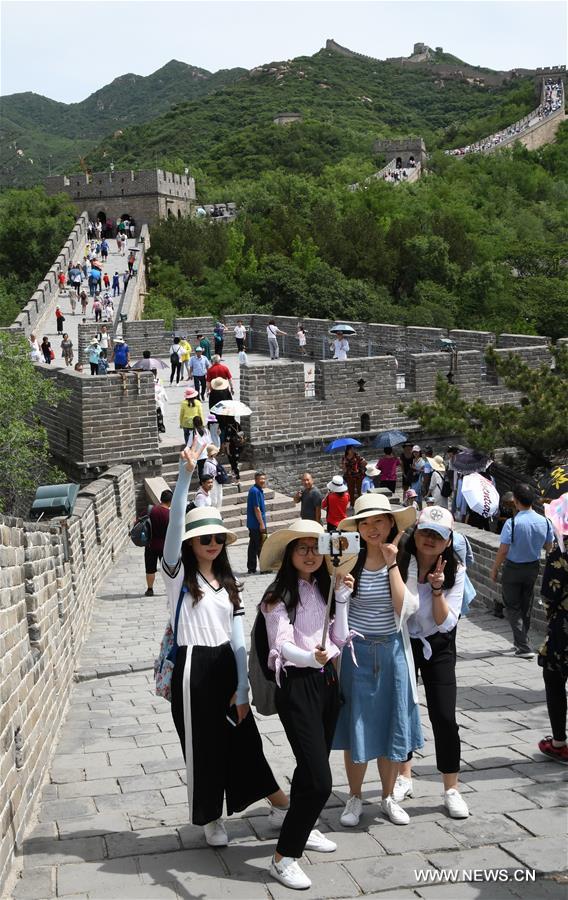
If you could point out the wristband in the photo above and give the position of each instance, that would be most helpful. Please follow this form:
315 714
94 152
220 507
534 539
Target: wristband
437 590
394 566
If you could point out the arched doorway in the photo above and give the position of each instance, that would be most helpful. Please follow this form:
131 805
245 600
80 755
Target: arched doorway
399 162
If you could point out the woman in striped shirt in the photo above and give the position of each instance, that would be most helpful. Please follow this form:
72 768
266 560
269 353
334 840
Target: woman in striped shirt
307 697
380 717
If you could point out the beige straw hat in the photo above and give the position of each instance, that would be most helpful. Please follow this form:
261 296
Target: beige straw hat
378 505
275 545
206 520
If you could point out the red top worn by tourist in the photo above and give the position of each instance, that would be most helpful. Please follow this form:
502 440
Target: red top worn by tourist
336 506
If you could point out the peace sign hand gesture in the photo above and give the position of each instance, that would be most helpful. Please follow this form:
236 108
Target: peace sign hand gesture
436 578
390 551
190 454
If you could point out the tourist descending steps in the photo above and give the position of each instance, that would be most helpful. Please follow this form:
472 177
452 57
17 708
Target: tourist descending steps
380 718
428 552
307 694
219 738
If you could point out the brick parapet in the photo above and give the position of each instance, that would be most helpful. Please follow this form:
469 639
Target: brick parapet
49 576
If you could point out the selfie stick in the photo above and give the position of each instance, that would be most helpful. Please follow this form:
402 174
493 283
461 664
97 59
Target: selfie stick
335 561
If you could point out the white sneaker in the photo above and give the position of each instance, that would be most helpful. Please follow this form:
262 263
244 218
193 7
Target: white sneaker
276 816
319 842
394 812
352 812
288 873
402 789
215 834
455 804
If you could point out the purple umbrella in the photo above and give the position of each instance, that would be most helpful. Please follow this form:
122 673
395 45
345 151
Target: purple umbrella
150 363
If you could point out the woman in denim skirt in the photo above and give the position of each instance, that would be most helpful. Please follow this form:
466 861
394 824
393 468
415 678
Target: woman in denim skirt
380 718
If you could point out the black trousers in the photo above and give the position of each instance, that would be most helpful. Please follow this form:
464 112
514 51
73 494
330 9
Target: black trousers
391 485
517 587
308 707
176 371
240 344
555 687
200 384
219 347
439 680
226 760
254 547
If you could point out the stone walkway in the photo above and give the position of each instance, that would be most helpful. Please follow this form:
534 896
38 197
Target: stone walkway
48 325
112 822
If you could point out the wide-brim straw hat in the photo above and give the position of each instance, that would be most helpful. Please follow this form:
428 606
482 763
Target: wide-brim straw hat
190 394
337 485
118 340
378 505
212 450
437 463
371 471
206 520
219 384
272 553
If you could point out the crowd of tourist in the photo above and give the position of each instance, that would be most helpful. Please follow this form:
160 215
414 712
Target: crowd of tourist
552 100
395 611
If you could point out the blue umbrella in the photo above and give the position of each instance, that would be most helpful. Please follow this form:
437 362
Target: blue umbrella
389 439
340 443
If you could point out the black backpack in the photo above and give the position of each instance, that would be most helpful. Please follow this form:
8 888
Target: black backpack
221 476
262 679
446 488
141 532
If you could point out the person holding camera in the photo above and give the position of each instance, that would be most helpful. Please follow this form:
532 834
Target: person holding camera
307 695
427 555
380 717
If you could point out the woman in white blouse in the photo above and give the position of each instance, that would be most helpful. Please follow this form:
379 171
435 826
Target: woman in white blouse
432 629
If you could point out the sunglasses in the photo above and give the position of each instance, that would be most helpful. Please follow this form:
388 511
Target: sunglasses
206 539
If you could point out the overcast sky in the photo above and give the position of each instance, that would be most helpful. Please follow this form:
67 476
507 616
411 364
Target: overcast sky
67 50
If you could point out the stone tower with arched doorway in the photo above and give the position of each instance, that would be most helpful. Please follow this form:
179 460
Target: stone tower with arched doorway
142 197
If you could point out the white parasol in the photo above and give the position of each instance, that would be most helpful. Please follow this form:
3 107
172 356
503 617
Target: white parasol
480 494
230 408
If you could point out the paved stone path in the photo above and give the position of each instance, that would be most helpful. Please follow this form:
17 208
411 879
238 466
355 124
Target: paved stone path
112 822
48 325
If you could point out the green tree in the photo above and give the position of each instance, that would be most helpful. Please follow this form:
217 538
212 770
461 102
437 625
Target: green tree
538 423
24 451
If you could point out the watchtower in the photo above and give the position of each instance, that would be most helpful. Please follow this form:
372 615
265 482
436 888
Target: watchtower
403 150
144 196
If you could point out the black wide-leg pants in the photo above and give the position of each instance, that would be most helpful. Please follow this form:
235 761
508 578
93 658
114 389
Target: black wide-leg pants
223 761
308 706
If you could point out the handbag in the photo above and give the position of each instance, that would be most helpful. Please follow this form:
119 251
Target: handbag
164 664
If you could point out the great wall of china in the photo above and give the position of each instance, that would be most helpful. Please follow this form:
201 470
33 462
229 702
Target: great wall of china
51 572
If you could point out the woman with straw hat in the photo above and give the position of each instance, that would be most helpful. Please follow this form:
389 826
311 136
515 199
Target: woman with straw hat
307 696
190 407
336 502
209 691
380 717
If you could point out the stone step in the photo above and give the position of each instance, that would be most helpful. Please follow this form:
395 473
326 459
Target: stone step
243 536
275 510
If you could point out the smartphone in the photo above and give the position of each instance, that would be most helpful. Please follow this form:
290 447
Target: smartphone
344 543
232 716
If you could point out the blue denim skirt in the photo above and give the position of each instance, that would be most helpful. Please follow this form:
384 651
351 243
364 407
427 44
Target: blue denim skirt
378 716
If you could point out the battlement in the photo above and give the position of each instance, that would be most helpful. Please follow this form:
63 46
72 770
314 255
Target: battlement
402 149
145 195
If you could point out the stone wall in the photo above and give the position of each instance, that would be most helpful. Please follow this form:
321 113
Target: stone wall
102 421
132 300
48 579
48 289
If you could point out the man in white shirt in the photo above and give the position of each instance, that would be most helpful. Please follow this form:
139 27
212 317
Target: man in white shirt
272 332
203 494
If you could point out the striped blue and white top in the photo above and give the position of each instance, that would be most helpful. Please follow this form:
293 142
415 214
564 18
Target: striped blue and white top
370 609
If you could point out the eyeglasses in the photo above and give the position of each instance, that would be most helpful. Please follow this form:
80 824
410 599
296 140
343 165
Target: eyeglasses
303 550
206 539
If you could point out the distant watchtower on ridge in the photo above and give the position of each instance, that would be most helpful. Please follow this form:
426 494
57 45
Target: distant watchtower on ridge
402 149
144 196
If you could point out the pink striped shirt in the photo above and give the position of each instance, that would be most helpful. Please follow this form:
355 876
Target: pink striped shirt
305 633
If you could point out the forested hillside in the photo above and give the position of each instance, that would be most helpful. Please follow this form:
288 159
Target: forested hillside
56 135
479 243
346 103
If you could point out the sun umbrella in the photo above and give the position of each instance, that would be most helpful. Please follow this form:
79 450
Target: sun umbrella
230 408
557 512
555 483
340 443
480 494
151 363
389 439
468 461
342 329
